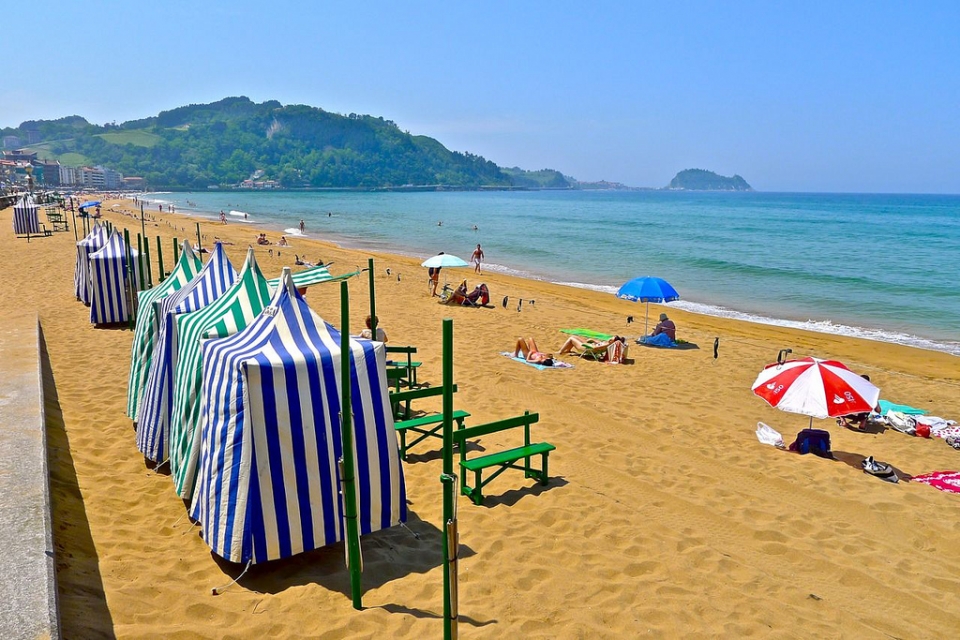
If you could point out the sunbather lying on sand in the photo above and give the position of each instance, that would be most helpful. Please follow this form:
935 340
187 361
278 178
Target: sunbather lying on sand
528 347
573 342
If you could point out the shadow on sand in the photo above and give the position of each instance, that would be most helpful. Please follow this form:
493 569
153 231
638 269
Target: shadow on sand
83 604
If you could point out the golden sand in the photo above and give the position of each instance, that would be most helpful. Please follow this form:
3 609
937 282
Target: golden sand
664 518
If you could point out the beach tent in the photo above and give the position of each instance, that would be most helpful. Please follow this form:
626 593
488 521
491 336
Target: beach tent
268 483
231 312
311 276
112 290
147 327
153 420
92 243
25 220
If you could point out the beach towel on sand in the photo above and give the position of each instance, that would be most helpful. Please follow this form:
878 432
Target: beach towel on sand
557 364
948 481
661 340
587 333
886 407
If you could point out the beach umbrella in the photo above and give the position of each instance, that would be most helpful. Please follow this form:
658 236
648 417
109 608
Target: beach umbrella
648 289
444 260
89 203
816 388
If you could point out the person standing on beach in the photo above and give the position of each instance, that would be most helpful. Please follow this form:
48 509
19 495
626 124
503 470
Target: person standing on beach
223 217
477 258
302 226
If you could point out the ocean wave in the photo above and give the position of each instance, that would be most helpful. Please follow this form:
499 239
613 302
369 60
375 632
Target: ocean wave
819 326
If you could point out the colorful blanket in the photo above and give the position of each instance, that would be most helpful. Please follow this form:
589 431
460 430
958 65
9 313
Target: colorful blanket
948 481
557 364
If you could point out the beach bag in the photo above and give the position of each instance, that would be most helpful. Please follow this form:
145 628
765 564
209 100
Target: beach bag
815 441
902 422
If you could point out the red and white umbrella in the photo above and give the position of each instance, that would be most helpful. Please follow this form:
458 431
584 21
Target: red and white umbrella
815 388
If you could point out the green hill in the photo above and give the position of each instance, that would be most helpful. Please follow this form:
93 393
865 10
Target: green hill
702 180
542 179
225 142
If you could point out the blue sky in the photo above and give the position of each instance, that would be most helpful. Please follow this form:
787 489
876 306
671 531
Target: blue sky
831 96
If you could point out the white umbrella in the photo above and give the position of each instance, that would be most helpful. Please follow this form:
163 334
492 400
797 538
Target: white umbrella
444 260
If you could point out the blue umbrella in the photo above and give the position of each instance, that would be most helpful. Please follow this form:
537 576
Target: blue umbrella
89 203
648 289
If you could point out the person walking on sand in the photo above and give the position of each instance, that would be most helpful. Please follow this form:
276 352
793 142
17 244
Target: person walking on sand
223 217
302 226
477 258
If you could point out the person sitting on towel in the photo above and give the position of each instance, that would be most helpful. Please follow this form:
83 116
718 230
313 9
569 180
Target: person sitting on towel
665 326
528 347
857 421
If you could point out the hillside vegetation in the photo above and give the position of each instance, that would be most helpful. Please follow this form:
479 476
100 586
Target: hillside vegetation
702 180
299 146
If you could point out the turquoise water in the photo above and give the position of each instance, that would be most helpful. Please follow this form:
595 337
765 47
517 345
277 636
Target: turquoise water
884 267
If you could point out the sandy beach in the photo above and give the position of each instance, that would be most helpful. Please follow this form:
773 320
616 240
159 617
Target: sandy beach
664 517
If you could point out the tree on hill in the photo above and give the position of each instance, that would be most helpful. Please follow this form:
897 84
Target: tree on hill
703 180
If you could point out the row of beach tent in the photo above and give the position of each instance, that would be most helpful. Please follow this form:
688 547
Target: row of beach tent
235 381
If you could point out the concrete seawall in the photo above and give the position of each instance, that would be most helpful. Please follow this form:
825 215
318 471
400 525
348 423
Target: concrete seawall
28 581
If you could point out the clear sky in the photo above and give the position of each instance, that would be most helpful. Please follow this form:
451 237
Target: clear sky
807 96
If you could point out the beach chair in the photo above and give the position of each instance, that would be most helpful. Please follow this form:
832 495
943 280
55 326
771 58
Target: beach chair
613 353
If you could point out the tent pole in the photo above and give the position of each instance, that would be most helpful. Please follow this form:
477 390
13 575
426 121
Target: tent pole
646 319
450 535
143 227
160 258
146 257
140 260
75 236
373 302
346 438
176 252
199 244
131 280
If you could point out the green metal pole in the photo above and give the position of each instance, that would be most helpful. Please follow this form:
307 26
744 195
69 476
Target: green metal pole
176 252
346 438
143 227
75 235
131 281
160 259
146 257
448 479
373 302
143 286
199 244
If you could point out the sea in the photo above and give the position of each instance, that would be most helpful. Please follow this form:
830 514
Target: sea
877 266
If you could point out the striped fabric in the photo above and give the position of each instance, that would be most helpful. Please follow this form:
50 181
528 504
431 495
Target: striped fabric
153 421
110 288
147 327
232 312
25 220
81 274
268 483
311 276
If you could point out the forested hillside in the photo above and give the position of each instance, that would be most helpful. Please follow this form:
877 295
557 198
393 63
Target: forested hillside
225 142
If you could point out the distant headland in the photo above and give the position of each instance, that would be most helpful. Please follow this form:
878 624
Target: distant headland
703 180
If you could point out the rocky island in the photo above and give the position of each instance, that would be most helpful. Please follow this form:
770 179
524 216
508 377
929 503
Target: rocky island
702 180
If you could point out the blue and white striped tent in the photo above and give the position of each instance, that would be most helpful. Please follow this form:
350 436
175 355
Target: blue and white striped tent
153 421
25 220
81 274
268 482
111 290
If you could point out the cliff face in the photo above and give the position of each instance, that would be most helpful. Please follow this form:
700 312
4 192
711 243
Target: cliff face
702 180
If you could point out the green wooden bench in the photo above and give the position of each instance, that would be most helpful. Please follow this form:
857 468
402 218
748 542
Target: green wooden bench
409 367
425 427
406 397
504 459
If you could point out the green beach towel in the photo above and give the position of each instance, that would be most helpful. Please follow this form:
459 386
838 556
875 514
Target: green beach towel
887 407
587 333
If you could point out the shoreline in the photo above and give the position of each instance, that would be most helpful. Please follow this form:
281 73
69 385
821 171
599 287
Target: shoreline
719 310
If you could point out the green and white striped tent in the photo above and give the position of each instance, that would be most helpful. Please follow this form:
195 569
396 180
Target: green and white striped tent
148 324
230 313
311 276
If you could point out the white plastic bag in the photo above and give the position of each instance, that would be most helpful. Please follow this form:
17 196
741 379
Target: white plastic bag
768 435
